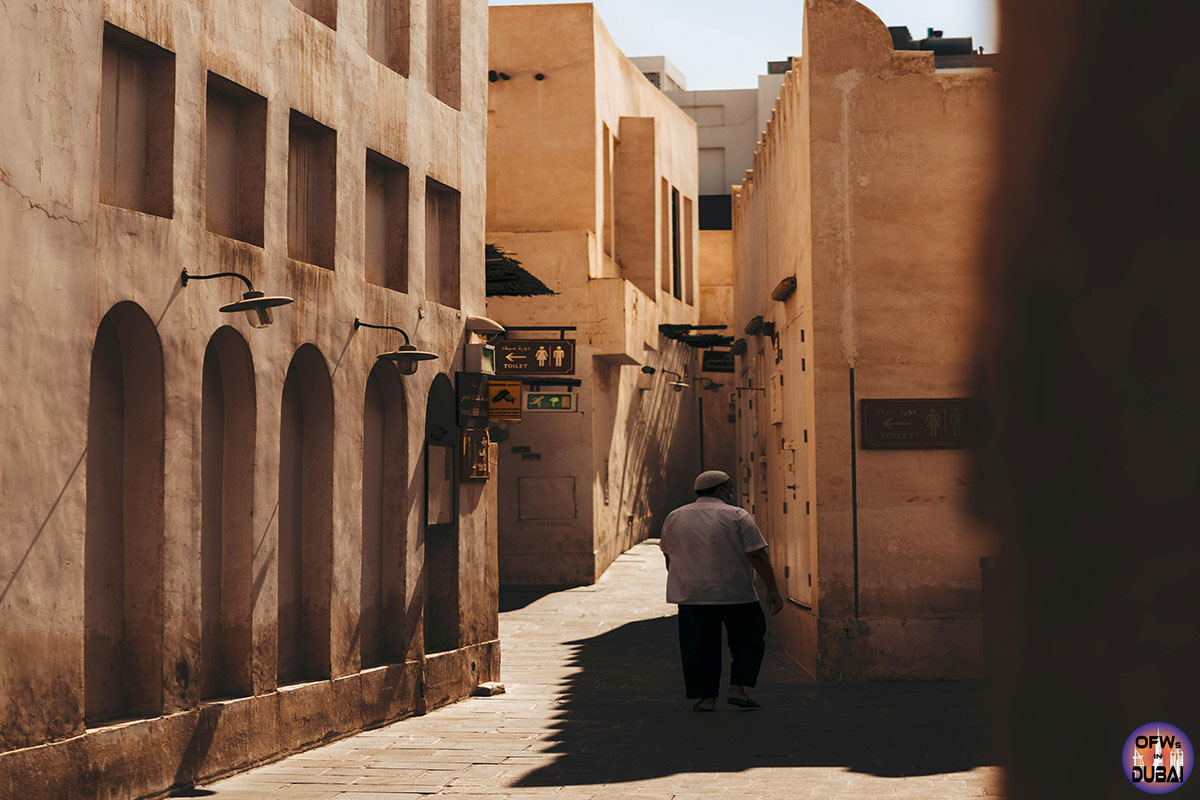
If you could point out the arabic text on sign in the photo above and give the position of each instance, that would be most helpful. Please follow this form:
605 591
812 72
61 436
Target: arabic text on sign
536 356
930 423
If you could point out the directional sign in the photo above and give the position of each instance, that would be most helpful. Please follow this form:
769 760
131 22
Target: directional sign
504 400
920 424
549 401
717 361
535 357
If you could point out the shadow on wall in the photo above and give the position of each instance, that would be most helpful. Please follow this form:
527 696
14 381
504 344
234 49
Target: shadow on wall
626 701
651 433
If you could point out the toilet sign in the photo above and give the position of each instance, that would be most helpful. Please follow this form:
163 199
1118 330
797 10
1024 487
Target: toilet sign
535 357
942 423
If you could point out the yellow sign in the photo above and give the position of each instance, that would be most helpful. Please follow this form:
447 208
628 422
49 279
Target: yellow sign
504 400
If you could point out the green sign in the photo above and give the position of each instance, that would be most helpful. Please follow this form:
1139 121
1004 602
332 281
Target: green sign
549 401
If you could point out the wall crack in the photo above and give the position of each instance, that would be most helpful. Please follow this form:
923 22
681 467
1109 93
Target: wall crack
30 204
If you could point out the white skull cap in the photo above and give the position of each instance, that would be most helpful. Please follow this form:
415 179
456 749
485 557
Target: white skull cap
709 479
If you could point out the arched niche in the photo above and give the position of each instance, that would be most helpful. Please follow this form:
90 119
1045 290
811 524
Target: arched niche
123 536
305 551
441 566
385 503
227 508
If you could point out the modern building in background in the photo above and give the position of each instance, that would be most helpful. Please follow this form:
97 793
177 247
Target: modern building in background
592 186
729 126
224 542
661 72
856 262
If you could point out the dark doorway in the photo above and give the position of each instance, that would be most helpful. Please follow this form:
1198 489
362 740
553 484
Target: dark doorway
227 502
123 537
442 624
305 518
384 517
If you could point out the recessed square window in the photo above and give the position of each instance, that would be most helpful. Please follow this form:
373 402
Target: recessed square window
388 33
664 235
689 256
137 124
324 11
441 243
312 191
443 28
676 247
386 227
235 160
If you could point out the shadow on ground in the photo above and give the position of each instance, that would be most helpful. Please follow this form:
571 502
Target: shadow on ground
623 718
513 598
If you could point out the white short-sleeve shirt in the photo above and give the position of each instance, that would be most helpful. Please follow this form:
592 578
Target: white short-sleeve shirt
707 541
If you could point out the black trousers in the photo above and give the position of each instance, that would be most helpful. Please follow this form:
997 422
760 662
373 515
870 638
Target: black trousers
700 645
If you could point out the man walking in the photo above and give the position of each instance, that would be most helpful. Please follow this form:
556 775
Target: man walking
713 550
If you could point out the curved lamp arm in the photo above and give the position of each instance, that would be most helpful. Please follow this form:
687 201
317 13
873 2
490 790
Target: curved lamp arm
358 323
184 277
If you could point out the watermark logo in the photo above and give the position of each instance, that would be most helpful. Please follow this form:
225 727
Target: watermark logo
1157 758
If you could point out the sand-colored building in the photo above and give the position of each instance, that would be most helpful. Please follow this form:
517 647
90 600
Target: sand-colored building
592 185
729 125
221 543
868 192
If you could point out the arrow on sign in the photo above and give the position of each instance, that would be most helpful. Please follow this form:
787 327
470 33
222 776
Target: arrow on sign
553 401
511 357
889 423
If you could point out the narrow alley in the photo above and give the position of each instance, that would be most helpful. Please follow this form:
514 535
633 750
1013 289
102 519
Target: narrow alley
594 709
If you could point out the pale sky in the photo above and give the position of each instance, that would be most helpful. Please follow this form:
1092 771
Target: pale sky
719 44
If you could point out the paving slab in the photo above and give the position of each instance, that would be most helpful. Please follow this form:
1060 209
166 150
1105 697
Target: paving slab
595 709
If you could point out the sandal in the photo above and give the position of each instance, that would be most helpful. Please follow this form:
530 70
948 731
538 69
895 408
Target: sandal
742 702
699 707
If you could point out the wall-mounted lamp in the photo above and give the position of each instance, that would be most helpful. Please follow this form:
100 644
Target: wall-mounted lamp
754 325
256 304
406 357
710 385
783 290
649 370
739 347
678 384
483 326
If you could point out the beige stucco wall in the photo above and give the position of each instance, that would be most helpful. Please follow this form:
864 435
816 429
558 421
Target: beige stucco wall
68 259
869 188
634 438
716 278
716 308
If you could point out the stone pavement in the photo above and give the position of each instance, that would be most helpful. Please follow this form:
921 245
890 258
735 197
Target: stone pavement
594 709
